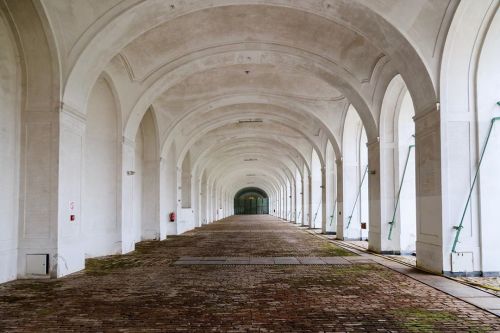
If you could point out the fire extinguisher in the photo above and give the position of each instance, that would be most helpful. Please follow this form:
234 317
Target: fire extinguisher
171 217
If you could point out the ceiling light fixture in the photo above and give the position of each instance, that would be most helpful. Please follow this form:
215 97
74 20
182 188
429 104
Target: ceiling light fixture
246 121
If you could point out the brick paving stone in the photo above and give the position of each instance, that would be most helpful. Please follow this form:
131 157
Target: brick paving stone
311 261
286 261
144 292
335 261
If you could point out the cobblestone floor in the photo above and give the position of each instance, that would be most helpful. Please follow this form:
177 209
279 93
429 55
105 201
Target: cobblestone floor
488 284
145 292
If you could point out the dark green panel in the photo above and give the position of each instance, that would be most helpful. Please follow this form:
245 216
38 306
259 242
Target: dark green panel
251 201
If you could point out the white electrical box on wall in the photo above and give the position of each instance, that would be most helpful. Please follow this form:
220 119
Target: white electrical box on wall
462 262
37 264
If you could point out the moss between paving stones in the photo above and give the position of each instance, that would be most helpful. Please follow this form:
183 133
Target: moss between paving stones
337 275
331 250
422 320
36 286
102 266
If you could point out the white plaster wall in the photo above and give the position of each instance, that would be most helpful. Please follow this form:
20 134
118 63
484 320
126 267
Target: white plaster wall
298 202
364 201
151 209
138 185
9 154
185 221
316 190
170 185
307 198
185 181
126 224
203 199
331 224
488 94
99 208
462 138
407 207
70 255
162 188
351 175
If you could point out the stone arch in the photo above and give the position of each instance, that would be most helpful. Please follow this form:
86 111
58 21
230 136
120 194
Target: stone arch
383 37
469 96
243 100
276 57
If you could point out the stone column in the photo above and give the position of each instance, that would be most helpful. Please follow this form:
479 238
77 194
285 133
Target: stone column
127 196
309 204
70 254
163 204
377 228
340 199
302 202
323 200
352 174
429 192
293 217
387 181
151 206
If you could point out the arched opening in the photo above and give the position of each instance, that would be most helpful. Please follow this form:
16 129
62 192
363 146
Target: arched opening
470 111
306 198
170 186
146 191
362 171
251 200
100 221
355 179
397 136
331 197
299 213
316 195
406 175
10 111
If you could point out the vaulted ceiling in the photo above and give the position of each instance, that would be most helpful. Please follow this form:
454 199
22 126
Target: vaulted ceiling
236 81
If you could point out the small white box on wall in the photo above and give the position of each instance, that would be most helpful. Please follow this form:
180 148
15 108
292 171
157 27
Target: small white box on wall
462 262
37 264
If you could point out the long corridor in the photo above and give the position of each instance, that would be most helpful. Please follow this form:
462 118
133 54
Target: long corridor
242 274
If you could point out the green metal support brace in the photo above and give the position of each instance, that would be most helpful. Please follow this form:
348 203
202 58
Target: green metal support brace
393 221
460 225
333 212
317 210
357 197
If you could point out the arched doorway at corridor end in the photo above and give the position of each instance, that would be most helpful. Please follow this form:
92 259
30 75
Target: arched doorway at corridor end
251 200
